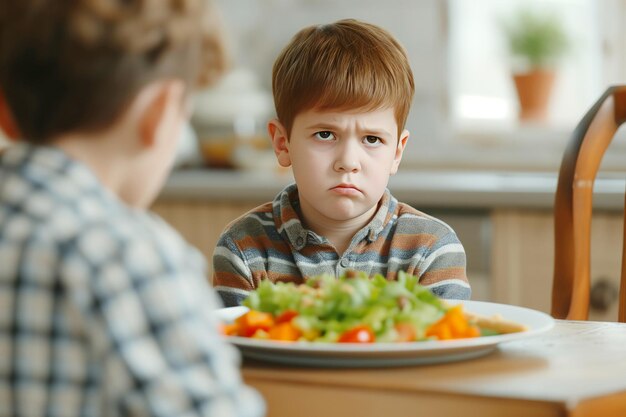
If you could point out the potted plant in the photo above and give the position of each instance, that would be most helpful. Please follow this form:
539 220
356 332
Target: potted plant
536 42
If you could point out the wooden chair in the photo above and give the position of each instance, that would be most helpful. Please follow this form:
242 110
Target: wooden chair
573 208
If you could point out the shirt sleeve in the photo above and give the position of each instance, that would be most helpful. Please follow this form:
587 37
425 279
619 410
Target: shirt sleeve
443 269
152 322
231 274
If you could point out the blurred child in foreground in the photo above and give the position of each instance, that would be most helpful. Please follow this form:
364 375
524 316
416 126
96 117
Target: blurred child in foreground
104 309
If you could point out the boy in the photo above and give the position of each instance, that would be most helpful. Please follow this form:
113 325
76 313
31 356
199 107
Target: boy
104 310
342 94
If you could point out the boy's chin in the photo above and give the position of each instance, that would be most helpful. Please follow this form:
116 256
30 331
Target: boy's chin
347 212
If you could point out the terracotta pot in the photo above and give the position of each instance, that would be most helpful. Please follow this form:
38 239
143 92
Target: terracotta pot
534 89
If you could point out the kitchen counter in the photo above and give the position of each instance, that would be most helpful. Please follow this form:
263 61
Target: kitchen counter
450 189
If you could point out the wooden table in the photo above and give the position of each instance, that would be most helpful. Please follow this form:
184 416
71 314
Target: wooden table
576 369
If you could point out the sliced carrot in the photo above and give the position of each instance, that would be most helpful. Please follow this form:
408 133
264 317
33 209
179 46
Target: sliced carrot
453 325
439 330
231 329
252 321
285 332
472 331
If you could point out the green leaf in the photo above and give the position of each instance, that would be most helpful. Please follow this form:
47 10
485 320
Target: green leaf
539 38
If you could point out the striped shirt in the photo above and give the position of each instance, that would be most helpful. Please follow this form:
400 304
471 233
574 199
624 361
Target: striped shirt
270 242
104 309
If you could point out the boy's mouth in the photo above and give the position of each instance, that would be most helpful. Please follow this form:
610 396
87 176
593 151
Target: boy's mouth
346 189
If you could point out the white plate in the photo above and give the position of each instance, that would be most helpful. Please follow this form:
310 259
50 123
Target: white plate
391 354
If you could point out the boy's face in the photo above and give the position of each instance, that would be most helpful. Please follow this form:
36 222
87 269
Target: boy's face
341 160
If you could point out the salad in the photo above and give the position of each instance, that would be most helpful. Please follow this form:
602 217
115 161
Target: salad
355 308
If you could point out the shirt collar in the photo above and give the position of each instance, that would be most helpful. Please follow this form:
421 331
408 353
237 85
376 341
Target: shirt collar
386 208
286 210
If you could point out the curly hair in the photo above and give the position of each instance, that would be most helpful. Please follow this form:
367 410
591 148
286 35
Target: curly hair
74 65
348 64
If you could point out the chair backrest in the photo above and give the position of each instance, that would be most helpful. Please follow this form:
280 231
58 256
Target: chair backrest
573 208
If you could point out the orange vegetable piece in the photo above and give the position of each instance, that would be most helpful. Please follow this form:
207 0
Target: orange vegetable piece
231 329
472 331
285 331
456 321
453 325
252 321
440 330
406 332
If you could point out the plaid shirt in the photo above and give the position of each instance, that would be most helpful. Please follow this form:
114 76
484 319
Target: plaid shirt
270 242
104 310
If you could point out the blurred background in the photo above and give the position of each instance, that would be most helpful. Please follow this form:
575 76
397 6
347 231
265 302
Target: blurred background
464 54
469 58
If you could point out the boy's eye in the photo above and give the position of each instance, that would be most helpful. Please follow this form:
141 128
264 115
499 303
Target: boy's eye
372 140
325 135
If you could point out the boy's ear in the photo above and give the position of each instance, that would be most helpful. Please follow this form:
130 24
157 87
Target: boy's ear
404 137
280 142
7 122
158 103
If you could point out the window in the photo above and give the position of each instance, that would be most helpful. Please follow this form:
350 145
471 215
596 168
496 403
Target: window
481 88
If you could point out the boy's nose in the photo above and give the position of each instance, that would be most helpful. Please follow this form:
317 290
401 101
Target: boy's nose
347 157
347 163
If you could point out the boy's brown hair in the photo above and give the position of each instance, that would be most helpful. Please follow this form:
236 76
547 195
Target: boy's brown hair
346 64
74 65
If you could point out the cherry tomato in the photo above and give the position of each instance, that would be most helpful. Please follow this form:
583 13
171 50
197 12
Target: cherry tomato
286 316
358 334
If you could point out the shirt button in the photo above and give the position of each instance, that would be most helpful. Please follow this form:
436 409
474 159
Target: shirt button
344 262
300 241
